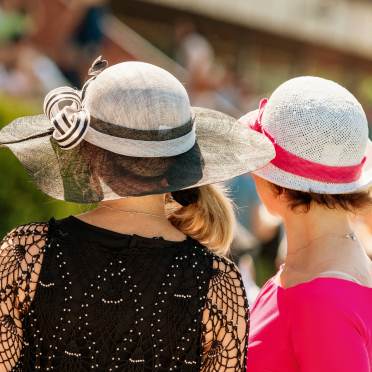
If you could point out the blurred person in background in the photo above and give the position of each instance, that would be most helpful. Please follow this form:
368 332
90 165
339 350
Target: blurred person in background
208 82
141 282
29 72
195 53
314 315
23 69
15 26
86 38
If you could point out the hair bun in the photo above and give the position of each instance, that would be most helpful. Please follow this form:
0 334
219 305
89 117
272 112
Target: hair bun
186 197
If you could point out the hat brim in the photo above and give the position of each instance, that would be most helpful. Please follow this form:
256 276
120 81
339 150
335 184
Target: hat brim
224 149
291 181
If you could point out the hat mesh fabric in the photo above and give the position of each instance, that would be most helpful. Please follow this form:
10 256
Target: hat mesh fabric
317 120
320 121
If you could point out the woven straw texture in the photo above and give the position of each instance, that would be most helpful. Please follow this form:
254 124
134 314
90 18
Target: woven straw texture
317 120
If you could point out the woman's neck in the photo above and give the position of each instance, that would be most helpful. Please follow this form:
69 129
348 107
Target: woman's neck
302 228
319 238
317 243
152 204
144 216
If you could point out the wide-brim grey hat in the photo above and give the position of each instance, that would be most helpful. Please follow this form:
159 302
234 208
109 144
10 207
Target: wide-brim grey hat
129 132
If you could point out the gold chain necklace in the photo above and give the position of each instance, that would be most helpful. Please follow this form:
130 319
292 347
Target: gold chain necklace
134 212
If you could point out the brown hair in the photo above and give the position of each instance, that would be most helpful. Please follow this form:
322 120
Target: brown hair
210 220
348 202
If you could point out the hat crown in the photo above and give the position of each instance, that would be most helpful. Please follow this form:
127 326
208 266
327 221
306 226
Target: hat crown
138 95
317 120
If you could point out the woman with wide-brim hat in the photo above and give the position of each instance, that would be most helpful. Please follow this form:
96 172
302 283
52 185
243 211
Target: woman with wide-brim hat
140 283
315 314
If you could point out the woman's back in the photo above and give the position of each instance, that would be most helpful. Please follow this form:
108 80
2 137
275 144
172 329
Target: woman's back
107 301
130 141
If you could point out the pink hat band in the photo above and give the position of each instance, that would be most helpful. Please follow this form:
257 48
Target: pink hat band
298 166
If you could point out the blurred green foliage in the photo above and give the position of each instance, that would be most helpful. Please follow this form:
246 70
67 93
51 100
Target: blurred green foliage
20 201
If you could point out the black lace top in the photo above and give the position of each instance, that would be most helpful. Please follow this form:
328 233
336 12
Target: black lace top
75 297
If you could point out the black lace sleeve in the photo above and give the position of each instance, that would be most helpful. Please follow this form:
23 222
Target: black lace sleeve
21 252
225 320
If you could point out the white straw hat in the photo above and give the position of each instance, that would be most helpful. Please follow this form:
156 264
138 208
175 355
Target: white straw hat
320 134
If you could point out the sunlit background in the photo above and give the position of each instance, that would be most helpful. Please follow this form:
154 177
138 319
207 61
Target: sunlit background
228 54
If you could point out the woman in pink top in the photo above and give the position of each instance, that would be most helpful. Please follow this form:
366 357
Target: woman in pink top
315 315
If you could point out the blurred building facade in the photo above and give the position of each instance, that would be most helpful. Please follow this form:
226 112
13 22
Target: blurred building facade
263 44
255 45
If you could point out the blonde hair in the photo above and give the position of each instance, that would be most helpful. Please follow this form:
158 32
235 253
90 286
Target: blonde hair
210 220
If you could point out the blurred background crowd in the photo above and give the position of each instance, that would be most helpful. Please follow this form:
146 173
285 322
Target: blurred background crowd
228 55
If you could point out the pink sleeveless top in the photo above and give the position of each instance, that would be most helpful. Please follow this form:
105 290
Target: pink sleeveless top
324 325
